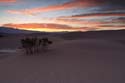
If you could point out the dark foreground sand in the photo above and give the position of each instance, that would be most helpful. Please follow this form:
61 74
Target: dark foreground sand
68 61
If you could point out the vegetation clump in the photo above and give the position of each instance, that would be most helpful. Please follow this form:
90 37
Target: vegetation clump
33 45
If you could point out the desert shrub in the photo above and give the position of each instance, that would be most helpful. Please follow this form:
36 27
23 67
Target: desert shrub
50 42
34 44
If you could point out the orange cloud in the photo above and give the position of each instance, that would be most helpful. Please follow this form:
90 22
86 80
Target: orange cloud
6 1
68 5
45 27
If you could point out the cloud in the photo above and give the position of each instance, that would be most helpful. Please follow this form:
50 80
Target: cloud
115 23
110 27
114 26
103 24
77 22
45 27
7 1
68 5
103 4
94 15
119 20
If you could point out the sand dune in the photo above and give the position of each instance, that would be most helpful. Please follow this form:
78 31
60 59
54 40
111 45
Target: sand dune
68 61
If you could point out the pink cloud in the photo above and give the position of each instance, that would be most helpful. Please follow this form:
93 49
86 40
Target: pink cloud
68 5
7 1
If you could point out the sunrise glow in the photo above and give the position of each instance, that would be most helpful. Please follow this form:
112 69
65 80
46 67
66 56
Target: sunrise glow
62 15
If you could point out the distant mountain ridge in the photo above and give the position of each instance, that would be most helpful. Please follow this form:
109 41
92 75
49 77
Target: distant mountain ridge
9 30
105 34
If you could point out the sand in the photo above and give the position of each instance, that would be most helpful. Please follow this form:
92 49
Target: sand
67 61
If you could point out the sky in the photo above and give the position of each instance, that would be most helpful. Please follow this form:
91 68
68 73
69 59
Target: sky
63 15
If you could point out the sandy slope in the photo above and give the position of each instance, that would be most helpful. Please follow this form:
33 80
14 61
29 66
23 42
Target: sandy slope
73 61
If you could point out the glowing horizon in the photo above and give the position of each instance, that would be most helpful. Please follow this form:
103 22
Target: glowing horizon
64 15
